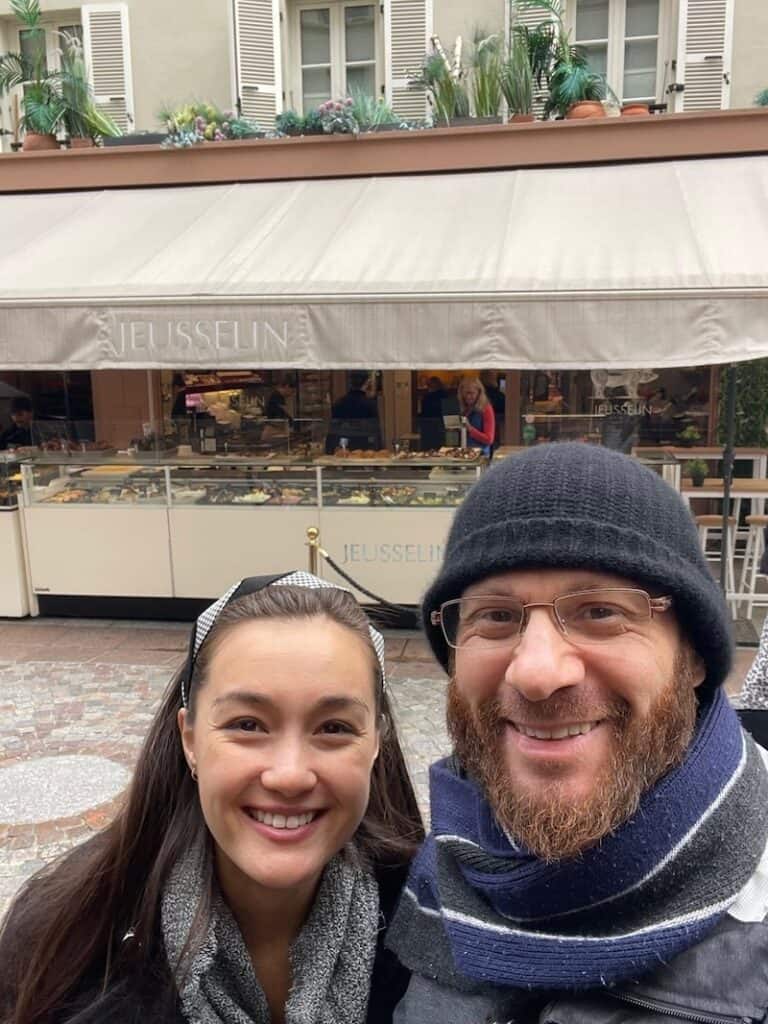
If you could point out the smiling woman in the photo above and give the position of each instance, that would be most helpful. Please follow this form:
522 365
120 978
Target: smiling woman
262 845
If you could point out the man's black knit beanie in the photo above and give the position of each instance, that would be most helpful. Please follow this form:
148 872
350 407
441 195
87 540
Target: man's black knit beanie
580 506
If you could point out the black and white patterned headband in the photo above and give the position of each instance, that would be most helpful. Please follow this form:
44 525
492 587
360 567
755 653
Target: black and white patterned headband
250 585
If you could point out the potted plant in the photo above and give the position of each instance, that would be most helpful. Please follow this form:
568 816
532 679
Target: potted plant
373 114
696 469
85 123
445 83
204 122
689 436
485 75
516 77
762 98
43 107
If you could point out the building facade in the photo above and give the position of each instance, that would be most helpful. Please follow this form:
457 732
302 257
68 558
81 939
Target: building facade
264 56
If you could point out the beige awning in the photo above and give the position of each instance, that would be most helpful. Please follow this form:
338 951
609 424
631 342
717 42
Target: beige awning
638 265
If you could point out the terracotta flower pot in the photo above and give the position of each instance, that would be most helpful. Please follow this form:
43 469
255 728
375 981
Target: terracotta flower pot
586 108
521 119
635 110
81 142
34 141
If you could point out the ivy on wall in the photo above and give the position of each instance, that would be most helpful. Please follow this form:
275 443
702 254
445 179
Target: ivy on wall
751 404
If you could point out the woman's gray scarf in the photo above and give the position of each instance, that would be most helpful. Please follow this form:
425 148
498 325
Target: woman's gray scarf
331 960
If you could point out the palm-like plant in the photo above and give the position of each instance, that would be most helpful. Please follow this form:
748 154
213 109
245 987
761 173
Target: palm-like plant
486 64
43 104
516 74
82 118
444 82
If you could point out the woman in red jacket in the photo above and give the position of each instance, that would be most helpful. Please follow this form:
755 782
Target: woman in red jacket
478 414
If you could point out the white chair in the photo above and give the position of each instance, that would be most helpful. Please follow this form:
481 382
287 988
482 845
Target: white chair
751 567
710 529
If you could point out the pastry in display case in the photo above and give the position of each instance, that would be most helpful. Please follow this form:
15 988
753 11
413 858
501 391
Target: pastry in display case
10 480
404 480
63 481
244 482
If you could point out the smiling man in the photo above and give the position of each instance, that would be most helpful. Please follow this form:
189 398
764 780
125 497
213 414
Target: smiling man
598 845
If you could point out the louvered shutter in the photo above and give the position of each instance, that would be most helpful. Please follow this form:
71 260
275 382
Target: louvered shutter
705 39
407 30
259 65
531 17
107 49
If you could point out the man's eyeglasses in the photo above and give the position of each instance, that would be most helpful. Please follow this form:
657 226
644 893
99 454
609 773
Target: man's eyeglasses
587 617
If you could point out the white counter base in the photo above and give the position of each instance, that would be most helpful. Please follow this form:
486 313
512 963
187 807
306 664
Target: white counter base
212 548
99 552
13 574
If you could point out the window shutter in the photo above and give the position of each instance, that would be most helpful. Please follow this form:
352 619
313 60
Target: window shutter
407 30
107 50
705 39
530 17
258 60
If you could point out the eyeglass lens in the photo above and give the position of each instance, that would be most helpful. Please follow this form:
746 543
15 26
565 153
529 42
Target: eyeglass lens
588 617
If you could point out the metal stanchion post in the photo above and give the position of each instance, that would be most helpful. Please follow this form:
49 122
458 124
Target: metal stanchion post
313 543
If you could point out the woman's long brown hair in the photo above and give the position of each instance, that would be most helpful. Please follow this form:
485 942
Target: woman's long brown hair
66 926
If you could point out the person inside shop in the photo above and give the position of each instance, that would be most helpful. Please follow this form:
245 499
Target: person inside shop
599 849
497 398
252 870
21 431
276 408
355 416
431 426
477 414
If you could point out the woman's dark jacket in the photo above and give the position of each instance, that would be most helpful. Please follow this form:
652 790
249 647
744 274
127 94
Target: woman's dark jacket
150 998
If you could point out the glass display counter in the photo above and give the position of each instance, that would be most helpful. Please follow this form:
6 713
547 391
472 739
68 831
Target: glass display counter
189 527
13 579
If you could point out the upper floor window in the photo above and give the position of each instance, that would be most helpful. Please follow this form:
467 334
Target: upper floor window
621 38
337 46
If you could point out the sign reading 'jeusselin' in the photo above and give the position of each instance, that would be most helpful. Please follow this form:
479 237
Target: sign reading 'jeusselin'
132 339
385 553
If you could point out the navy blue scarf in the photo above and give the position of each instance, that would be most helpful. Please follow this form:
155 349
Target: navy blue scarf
480 911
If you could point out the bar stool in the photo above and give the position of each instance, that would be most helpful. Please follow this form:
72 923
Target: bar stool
705 523
751 567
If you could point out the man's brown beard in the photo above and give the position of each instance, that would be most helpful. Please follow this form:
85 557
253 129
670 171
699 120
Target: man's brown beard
547 822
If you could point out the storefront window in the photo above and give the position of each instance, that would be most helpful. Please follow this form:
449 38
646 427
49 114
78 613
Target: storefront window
620 409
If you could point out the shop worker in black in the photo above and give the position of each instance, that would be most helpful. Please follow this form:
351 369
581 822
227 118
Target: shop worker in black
20 433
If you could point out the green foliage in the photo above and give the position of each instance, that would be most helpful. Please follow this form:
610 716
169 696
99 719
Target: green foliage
516 74
485 74
445 82
82 118
572 81
313 123
203 122
751 404
696 469
762 98
27 12
289 123
369 112
690 435
337 117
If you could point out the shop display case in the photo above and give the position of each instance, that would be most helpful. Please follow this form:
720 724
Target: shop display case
189 527
13 579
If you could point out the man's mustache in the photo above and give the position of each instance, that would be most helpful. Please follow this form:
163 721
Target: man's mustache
560 707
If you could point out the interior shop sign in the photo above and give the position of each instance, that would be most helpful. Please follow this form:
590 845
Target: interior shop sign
130 339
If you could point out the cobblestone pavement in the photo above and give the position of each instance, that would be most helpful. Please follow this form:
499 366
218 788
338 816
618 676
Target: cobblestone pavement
76 697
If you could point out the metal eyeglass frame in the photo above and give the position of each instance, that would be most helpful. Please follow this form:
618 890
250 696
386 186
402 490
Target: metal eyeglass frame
655 605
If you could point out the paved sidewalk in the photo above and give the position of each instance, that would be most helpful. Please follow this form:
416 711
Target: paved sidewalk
76 697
